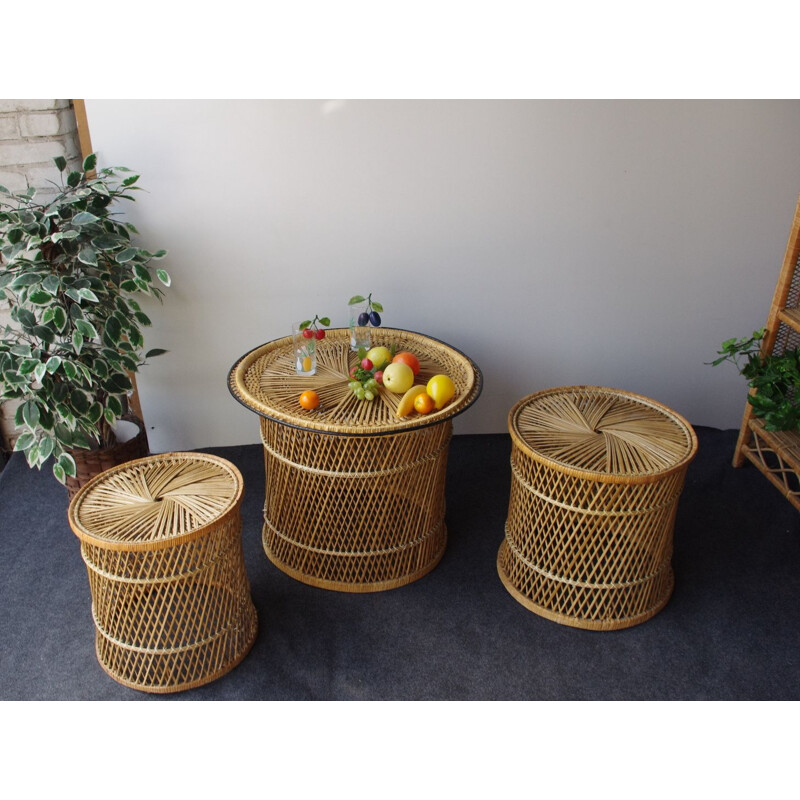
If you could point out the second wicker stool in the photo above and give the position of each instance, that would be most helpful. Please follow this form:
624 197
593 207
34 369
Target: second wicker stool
596 477
161 539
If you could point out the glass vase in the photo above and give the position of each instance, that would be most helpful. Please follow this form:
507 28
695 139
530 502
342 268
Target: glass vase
358 323
305 350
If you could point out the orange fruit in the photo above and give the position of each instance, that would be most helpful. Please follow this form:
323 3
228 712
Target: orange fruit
424 403
309 400
406 405
407 358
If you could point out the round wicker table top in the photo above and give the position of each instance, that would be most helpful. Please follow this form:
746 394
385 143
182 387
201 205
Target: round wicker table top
264 380
601 433
155 501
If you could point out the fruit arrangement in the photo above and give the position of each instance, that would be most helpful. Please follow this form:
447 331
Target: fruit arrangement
367 376
380 367
372 314
436 394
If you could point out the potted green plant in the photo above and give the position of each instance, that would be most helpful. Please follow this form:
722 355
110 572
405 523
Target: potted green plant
775 379
70 270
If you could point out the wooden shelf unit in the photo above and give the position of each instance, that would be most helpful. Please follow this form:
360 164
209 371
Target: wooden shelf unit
777 453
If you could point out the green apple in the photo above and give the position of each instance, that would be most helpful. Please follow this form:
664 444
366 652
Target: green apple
398 377
379 356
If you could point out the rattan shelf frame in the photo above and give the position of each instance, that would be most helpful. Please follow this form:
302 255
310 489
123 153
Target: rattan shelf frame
777 453
161 540
354 495
596 478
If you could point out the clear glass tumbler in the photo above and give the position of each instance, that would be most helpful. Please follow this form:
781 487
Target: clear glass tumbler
305 350
358 323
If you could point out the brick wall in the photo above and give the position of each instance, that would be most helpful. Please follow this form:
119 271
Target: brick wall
32 134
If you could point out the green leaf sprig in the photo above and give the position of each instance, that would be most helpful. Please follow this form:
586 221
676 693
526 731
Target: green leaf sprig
775 380
315 323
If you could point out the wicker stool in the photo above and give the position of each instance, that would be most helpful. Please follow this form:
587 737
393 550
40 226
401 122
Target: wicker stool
161 539
596 477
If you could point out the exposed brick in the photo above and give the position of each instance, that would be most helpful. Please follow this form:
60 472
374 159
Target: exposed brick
14 181
32 125
33 105
9 129
68 123
47 124
72 147
41 177
18 153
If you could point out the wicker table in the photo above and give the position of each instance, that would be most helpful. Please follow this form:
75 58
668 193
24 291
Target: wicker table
161 539
596 477
354 494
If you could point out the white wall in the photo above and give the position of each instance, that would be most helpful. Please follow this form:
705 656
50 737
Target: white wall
555 242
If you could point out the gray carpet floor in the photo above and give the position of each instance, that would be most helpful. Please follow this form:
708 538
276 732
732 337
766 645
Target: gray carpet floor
730 632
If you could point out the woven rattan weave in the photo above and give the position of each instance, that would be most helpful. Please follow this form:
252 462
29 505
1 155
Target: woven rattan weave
354 494
596 477
161 539
777 455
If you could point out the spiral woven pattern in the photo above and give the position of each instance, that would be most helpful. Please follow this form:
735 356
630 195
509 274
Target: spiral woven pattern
265 381
596 478
89 463
592 429
161 539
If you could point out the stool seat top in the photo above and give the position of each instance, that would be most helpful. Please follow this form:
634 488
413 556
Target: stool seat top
265 381
598 431
154 501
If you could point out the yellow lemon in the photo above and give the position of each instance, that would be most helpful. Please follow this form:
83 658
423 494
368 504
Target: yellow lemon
441 389
379 356
407 401
307 364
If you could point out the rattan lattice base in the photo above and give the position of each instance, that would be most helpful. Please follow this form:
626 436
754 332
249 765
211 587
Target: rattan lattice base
161 539
596 477
355 513
777 455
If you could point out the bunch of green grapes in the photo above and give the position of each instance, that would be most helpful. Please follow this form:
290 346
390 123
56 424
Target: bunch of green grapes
363 383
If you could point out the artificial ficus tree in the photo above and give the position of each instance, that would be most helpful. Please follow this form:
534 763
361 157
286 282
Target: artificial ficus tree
70 270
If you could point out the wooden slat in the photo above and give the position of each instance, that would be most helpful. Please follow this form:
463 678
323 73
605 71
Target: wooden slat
85 141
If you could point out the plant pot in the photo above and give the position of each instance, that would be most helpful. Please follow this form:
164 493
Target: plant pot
92 462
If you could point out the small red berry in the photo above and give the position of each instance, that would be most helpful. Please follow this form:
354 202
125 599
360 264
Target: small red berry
308 333
379 376
319 333
353 371
366 363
